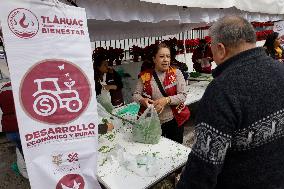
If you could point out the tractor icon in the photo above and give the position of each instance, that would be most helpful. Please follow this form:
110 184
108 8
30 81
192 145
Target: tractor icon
49 97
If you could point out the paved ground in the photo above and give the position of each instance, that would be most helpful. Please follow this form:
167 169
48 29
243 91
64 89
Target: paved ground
10 180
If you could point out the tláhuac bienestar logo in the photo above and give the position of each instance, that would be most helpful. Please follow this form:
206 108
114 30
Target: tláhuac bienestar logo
23 23
55 91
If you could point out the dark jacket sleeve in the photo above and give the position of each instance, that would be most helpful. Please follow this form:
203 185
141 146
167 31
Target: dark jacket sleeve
213 130
118 80
98 88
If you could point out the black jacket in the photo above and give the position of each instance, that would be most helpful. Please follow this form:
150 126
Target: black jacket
240 127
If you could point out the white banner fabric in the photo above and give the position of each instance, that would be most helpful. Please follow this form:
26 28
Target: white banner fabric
49 57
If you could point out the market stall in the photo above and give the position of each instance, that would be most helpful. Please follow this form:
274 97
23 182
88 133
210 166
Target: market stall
122 161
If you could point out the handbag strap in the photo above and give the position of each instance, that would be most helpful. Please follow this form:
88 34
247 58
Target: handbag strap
159 84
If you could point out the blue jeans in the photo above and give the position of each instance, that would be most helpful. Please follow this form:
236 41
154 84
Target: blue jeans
15 137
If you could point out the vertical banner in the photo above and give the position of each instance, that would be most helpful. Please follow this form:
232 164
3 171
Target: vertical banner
49 57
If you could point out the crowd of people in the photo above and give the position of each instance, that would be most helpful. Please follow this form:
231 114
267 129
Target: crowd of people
239 124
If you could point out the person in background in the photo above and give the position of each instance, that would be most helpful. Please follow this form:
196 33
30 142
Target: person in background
10 124
168 99
149 64
273 47
202 57
9 119
239 125
107 79
177 64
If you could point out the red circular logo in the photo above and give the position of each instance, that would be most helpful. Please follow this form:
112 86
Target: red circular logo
23 23
55 92
71 181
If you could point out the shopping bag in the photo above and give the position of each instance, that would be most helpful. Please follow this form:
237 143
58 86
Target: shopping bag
105 100
148 128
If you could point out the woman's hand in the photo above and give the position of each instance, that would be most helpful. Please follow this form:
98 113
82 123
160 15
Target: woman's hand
161 103
110 87
110 126
146 102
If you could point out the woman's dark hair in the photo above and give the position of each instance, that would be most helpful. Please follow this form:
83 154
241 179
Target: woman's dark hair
269 43
148 62
98 60
158 47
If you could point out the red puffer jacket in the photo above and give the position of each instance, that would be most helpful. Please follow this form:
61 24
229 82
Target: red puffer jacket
9 119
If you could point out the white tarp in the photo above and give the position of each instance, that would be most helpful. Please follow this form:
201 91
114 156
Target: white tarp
122 19
260 6
49 55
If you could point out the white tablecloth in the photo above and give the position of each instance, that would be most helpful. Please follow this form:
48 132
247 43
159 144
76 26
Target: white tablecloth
195 91
170 156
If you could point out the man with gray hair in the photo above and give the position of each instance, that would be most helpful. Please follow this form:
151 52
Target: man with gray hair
240 120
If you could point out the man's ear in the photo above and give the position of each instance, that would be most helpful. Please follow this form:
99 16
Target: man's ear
222 51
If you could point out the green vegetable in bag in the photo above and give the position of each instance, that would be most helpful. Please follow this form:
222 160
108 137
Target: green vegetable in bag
148 128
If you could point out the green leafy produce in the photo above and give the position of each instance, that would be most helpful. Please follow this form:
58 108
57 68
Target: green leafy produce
104 161
105 149
110 136
147 131
105 121
195 74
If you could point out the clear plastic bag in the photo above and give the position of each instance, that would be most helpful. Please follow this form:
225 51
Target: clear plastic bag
144 165
148 128
105 100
